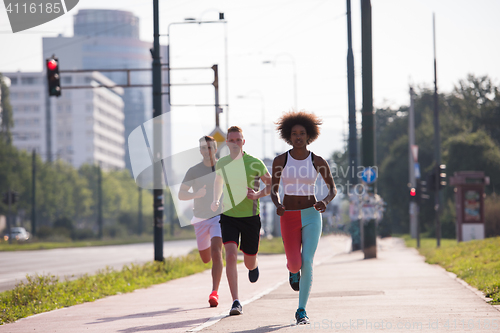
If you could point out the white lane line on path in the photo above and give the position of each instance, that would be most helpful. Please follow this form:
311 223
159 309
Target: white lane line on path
216 319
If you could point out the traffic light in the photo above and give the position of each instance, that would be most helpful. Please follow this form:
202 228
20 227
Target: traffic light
413 194
14 197
442 176
439 171
422 190
53 77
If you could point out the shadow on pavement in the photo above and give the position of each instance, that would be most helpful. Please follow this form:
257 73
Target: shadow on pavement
142 315
264 329
166 326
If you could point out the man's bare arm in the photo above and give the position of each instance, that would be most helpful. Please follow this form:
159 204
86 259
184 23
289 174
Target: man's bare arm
184 193
218 182
253 195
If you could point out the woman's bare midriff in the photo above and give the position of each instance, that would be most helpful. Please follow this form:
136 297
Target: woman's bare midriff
296 202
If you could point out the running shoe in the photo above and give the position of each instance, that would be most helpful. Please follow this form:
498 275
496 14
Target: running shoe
301 317
213 299
236 309
294 280
253 275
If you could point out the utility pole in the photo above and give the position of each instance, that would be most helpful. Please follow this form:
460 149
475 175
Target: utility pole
157 137
139 218
221 17
353 134
353 146
411 163
48 126
216 86
99 201
369 231
437 140
33 192
9 215
171 213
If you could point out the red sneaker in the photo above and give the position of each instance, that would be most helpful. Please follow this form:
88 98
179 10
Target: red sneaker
213 299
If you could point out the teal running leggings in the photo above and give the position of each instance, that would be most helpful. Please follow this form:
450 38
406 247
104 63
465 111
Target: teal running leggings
301 228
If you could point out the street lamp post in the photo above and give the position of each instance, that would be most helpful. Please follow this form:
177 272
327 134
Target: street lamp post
294 74
195 21
263 118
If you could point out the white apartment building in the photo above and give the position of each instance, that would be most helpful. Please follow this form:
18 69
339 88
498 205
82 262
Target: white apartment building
109 39
87 125
28 109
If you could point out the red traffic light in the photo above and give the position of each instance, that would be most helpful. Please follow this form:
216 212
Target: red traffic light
52 64
413 192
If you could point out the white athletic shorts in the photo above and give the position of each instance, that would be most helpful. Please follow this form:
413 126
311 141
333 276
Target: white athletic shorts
205 230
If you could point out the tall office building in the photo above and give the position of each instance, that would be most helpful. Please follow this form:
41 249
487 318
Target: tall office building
86 124
109 39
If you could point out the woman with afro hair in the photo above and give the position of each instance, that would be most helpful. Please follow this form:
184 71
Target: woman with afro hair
300 211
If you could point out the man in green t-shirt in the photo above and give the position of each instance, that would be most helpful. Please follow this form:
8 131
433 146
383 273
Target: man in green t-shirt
238 175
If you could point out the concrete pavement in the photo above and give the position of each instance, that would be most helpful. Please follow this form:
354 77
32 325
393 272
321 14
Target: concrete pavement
397 292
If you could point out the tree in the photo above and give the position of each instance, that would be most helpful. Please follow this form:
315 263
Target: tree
7 121
475 103
470 136
474 152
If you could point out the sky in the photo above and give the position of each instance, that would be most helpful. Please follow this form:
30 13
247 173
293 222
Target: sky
301 39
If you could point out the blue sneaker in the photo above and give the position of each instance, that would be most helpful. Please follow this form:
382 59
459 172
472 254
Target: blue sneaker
294 280
301 317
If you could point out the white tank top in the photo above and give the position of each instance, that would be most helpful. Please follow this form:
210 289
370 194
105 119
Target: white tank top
299 176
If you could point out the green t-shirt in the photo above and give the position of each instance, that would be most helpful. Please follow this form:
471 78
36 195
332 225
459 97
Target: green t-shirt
238 175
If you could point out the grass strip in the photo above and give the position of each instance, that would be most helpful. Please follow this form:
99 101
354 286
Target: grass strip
271 246
43 245
45 293
477 262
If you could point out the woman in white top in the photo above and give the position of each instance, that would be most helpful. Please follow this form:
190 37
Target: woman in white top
299 213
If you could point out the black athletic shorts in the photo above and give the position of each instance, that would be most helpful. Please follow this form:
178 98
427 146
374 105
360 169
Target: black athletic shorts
249 229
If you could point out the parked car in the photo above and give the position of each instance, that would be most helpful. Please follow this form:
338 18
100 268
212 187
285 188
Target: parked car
17 233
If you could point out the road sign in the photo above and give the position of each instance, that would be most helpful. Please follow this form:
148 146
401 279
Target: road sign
417 170
369 175
219 136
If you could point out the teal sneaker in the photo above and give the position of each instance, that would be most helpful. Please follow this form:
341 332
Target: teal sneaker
301 317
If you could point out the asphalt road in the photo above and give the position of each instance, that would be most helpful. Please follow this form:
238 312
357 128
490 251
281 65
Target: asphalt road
14 266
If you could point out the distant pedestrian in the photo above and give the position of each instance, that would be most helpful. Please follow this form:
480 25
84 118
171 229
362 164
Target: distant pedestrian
206 222
238 176
300 212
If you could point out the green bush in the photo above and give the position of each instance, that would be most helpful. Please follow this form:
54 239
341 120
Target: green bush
44 232
64 223
82 234
492 216
115 231
61 232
